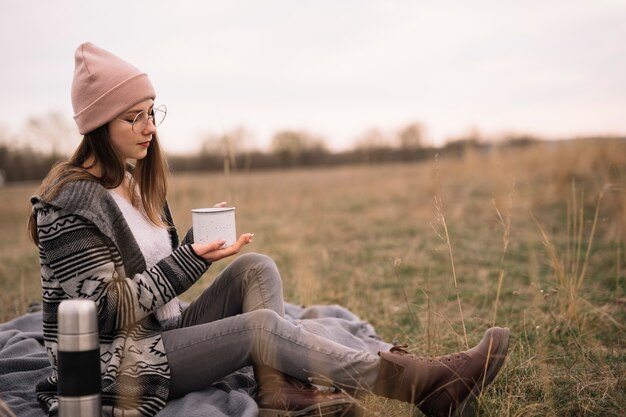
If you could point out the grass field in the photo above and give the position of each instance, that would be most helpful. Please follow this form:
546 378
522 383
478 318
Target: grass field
432 254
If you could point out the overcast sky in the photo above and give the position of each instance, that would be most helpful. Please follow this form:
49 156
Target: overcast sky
334 68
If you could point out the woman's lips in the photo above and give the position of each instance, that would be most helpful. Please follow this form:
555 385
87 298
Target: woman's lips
146 143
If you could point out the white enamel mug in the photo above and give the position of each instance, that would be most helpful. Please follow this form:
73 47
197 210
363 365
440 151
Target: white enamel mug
211 224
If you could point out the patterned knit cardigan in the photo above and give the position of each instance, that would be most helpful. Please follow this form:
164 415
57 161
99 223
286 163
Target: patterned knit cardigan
87 250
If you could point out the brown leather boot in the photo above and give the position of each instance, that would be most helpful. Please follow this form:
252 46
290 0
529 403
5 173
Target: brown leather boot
281 395
445 385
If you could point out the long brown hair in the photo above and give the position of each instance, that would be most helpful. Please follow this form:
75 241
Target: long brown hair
149 174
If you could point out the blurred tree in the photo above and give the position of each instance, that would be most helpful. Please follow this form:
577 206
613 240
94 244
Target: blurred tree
519 140
293 148
4 153
372 139
51 133
373 146
226 146
411 136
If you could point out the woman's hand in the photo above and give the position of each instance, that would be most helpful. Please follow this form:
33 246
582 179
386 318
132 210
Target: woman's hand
215 251
220 205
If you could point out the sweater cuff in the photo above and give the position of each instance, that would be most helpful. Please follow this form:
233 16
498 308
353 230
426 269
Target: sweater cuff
192 265
196 256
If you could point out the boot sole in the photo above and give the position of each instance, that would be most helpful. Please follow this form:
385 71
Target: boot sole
339 408
466 408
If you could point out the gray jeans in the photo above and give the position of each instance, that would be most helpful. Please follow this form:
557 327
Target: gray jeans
239 320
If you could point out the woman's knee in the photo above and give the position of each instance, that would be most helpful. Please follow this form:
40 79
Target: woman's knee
256 259
263 265
264 319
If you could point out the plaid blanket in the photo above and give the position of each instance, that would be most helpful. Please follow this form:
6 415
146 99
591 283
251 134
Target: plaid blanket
23 363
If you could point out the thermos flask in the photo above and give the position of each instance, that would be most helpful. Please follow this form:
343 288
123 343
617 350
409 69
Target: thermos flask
79 382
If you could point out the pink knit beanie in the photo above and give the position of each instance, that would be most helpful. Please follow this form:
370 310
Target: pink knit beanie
104 86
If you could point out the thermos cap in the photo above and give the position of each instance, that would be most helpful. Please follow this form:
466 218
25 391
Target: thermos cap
77 317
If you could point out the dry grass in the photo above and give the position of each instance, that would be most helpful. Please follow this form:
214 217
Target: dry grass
434 253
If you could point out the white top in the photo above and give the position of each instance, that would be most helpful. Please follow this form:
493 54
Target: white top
154 243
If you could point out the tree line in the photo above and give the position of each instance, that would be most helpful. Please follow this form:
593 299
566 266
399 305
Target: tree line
230 152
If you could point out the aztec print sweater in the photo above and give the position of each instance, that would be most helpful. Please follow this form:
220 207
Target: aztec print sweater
87 250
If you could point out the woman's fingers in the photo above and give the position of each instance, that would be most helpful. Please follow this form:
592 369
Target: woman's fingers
202 249
215 251
221 204
240 243
244 239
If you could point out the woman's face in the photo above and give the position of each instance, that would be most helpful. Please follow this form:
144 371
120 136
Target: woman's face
128 143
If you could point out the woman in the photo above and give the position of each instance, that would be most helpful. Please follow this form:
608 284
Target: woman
105 233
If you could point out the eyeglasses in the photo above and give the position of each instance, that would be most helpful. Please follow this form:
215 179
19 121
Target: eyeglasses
139 123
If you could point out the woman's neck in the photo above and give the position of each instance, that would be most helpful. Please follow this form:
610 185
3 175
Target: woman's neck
124 190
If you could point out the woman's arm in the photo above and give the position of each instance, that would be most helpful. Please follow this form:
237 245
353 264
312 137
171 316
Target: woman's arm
78 258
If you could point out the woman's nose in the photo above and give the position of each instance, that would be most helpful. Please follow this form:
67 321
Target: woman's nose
150 127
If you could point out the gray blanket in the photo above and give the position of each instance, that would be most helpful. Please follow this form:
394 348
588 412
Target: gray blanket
23 363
